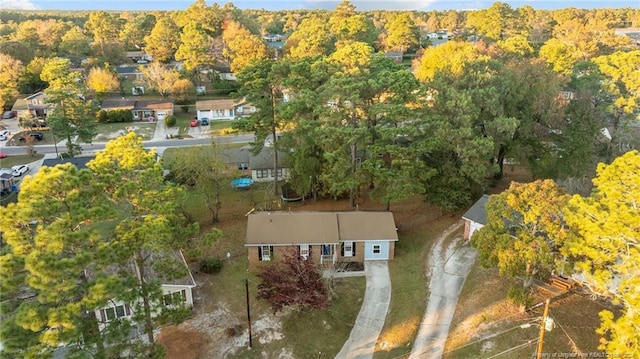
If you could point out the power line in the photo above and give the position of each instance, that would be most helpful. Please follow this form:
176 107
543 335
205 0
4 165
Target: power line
514 348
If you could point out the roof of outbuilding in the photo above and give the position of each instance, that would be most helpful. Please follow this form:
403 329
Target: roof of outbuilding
478 212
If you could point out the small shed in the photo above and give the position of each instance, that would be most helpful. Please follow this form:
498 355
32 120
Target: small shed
476 217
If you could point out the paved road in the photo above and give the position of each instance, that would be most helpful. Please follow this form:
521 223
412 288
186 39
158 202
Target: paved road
199 138
448 268
375 305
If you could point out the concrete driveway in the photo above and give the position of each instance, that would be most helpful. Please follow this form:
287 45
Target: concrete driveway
448 269
365 332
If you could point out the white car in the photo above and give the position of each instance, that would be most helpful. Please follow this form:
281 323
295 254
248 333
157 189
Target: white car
4 134
18 171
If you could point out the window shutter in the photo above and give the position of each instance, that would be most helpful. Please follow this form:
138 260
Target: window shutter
353 248
260 253
273 255
127 309
103 318
342 249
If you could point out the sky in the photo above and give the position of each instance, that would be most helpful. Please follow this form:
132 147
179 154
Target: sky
363 5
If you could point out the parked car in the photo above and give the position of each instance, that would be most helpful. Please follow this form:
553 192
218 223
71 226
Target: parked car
204 121
19 170
194 123
8 114
142 61
33 134
4 134
3 155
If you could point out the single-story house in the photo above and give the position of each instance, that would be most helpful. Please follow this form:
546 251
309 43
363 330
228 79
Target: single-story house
142 110
225 73
174 292
222 109
237 158
476 217
261 165
325 237
33 105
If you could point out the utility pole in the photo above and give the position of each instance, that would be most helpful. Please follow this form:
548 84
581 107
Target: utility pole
246 287
542 329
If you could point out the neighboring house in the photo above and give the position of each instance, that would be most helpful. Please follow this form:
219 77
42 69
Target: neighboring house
476 217
142 109
261 165
237 158
79 162
131 73
177 291
325 237
396 56
138 55
630 32
7 186
222 109
34 105
225 73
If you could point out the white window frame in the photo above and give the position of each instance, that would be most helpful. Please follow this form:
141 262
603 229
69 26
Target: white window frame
265 257
304 251
348 248
376 249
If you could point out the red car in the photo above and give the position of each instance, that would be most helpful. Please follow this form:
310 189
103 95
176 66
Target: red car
194 123
3 155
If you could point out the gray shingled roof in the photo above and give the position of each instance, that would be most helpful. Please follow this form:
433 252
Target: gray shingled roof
264 159
478 212
79 162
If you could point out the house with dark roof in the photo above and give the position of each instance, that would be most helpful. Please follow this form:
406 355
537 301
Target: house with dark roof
260 165
325 237
130 73
476 217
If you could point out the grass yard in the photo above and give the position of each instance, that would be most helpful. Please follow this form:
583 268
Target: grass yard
109 131
14 160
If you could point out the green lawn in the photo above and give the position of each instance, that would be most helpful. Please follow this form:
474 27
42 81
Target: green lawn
13 160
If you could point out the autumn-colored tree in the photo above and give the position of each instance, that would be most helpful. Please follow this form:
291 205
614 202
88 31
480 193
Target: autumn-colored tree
524 230
292 281
105 28
606 251
457 53
157 77
242 47
311 38
10 71
164 39
183 91
102 81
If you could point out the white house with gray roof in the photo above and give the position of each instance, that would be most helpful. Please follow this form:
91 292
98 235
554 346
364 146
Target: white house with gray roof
476 217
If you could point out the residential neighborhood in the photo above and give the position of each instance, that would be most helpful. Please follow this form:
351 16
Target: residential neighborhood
341 180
